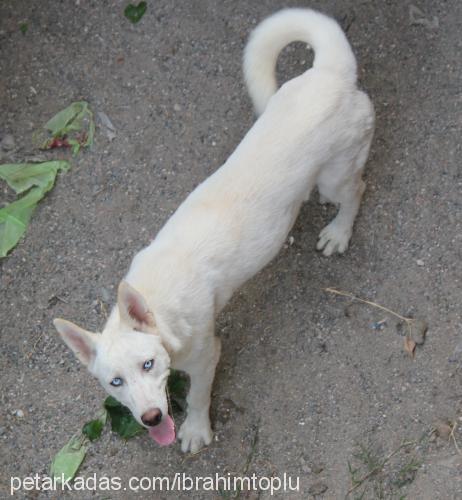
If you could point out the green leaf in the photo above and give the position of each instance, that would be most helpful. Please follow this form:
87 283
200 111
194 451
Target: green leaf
67 461
23 27
75 146
22 176
38 178
177 384
111 402
135 12
67 119
122 421
94 428
76 119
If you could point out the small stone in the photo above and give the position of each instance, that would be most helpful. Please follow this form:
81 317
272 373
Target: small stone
317 488
443 429
418 328
420 262
19 413
177 107
226 409
105 294
317 468
291 240
8 142
2 431
307 469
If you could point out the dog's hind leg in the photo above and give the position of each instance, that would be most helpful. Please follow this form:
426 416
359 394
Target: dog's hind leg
336 235
347 193
196 431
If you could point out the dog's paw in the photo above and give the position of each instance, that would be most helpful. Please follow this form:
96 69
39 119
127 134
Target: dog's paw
333 238
195 433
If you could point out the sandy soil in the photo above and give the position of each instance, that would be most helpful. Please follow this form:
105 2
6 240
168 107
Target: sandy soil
305 380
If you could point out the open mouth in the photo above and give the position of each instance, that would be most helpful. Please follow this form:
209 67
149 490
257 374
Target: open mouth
164 432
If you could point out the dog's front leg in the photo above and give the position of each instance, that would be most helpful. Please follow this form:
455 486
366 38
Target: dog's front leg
196 431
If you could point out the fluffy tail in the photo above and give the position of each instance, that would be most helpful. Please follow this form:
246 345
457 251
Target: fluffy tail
323 34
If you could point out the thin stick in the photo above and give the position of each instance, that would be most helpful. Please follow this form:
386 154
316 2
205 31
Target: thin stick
453 428
379 467
374 304
34 346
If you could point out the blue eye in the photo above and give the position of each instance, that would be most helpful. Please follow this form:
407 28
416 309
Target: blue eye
148 365
117 381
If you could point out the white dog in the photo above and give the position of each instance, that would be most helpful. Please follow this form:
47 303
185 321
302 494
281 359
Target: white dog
314 131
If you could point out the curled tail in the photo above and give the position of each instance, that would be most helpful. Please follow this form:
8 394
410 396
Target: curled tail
322 33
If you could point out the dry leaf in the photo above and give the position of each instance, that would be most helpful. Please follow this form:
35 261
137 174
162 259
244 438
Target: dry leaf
418 328
409 346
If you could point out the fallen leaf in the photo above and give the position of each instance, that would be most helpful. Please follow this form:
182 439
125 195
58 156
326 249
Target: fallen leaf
38 178
456 356
73 125
94 428
409 346
177 384
122 421
22 176
67 461
135 12
418 330
107 124
416 16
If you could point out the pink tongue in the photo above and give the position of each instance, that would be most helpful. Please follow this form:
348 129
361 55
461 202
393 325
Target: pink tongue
163 433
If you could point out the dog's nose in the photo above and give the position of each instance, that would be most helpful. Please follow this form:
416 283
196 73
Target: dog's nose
152 417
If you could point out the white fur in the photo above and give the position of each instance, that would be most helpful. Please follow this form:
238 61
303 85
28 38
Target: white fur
315 130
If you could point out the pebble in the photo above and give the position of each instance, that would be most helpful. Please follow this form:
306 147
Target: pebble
19 413
420 262
7 143
419 329
105 295
318 468
317 488
443 429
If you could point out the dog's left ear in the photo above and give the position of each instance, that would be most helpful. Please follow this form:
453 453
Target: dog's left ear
133 308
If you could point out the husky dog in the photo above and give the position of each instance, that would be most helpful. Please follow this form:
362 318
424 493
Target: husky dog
315 131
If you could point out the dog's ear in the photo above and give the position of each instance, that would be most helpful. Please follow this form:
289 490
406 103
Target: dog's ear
81 342
133 308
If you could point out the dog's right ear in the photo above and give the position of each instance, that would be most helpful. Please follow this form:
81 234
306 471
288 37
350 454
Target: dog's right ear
133 308
81 342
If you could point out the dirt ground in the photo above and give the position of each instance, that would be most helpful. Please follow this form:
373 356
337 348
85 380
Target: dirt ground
306 385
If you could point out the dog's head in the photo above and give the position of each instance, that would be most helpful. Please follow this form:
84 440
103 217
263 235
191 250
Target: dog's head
129 360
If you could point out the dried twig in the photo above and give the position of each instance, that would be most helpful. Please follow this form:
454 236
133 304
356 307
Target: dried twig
374 304
451 435
379 467
34 347
410 343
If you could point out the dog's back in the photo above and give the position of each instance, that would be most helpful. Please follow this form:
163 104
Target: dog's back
236 220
